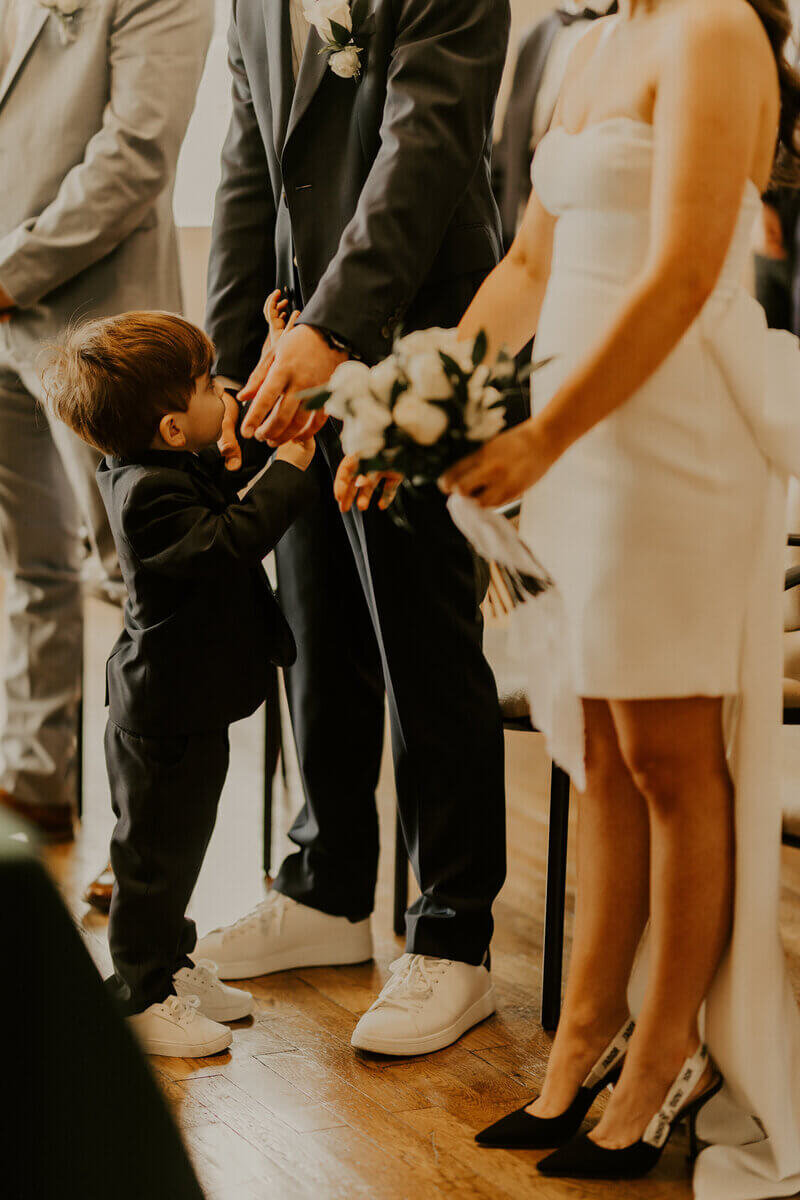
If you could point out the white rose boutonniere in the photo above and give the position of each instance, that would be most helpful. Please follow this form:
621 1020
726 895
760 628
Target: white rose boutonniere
66 13
344 27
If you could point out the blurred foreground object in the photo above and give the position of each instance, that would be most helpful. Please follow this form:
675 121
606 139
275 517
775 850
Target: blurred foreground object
85 1115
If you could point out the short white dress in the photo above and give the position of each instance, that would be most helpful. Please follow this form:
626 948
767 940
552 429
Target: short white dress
663 530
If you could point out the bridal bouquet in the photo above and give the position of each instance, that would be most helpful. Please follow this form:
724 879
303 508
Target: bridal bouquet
432 401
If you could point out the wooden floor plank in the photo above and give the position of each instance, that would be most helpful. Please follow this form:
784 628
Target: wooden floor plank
291 1112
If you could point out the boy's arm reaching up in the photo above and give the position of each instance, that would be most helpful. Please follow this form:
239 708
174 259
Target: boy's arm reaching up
172 532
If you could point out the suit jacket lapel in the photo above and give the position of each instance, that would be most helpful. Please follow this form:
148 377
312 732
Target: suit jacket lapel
310 76
279 63
33 17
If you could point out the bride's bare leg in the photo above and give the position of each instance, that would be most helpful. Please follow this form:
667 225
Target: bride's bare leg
674 750
611 910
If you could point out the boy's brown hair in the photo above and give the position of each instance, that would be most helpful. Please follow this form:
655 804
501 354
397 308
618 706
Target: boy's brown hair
112 380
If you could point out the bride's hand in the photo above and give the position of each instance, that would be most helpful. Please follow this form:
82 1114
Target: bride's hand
504 468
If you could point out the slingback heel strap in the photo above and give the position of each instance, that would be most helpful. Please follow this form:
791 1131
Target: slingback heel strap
611 1055
690 1075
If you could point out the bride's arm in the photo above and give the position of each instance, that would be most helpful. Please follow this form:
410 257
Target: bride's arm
508 304
706 130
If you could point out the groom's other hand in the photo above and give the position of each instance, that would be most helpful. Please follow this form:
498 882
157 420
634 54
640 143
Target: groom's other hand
303 359
350 486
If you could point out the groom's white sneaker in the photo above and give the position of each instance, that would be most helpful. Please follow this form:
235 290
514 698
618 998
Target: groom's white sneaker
426 1004
279 935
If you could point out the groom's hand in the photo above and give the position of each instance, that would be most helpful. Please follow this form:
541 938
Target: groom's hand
303 359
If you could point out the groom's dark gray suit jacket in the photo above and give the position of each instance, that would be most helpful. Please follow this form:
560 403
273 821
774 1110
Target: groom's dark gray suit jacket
379 187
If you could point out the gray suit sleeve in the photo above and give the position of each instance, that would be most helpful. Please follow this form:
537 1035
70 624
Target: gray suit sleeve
441 90
241 269
156 53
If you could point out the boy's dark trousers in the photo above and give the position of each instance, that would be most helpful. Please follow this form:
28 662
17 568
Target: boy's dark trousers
165 793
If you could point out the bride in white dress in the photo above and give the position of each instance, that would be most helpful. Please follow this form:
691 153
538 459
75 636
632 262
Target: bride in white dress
653 474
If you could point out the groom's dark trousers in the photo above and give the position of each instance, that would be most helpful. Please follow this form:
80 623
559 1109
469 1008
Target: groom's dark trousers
370 201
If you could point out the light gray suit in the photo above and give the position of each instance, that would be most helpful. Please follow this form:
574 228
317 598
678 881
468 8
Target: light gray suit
92 115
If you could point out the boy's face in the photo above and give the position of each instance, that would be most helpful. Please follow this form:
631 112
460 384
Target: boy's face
201 424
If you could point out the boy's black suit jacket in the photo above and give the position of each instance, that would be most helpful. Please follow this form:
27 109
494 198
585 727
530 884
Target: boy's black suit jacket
201 622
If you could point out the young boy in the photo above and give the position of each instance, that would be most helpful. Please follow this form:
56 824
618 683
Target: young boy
201 625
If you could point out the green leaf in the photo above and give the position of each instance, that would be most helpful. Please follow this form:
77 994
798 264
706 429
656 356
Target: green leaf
313 399
341 35
479 349
398 387
451 367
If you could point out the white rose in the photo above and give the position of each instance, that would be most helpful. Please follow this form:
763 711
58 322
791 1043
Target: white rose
423 341
383 377
477 383
348 381
346 63
351 378
482 420
428 377
365 425
320 13
360 440
423 421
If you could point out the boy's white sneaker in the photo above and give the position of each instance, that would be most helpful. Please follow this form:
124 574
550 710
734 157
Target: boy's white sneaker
426 1004
218 1002
177 1028
279 935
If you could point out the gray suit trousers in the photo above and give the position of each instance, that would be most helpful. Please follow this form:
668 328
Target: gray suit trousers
48 503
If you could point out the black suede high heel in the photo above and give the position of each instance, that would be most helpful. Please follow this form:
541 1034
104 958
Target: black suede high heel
520 1130
582 1158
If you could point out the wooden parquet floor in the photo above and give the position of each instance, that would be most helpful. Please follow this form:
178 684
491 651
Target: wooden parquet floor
292 1112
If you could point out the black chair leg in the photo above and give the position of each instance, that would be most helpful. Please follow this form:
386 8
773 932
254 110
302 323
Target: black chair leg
400 879
273 744
555 898
79 756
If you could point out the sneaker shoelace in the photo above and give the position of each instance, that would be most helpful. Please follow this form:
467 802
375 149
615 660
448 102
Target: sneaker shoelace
266 916
182 1009
413 978
205 973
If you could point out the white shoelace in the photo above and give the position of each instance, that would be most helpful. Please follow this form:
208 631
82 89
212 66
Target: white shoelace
264 917
182 1009
204 972
413 979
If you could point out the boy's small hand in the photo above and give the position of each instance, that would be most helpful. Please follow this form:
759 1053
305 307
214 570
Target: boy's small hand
349 486
275 313
228 443
299 454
